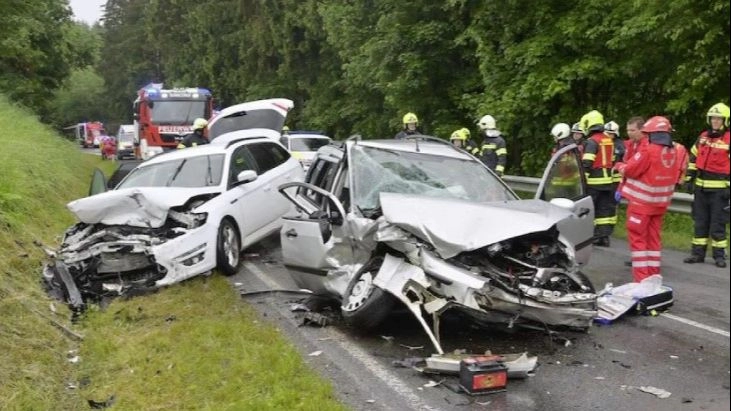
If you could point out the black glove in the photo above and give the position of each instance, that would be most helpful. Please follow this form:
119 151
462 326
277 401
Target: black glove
690 186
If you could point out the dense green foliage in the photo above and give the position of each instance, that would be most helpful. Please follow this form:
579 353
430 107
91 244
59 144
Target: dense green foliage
358 66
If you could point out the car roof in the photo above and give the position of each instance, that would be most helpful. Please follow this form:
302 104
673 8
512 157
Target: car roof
306 135
433 146
207 149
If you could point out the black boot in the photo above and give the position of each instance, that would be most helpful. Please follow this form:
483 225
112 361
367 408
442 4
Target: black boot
721 262
719 256
693 259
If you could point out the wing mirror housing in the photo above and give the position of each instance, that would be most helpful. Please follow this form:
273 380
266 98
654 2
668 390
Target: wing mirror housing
246 176
564 203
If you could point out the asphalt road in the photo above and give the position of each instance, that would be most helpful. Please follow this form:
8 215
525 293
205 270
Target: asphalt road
684 351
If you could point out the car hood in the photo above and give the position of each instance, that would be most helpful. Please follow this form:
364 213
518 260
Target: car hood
453 226
137 206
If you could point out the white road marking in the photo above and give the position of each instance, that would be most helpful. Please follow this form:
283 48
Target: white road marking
696 324
357 353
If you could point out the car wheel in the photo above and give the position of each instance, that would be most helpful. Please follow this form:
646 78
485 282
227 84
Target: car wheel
364 305
228 248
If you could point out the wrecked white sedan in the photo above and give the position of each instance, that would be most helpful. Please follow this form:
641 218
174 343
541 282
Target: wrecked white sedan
422 222
181 213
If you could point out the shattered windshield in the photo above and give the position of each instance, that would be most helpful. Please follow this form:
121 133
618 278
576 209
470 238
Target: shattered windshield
201 171
378 170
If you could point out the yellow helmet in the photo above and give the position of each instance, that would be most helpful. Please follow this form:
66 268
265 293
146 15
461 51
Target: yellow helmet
719 110
410 118
458 135
466 132
592 121
199 123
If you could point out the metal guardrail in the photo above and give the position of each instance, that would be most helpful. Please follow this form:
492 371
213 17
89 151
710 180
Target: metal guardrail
681 202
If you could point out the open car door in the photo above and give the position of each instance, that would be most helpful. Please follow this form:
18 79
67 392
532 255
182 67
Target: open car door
98 182
309 249
564 184
267 114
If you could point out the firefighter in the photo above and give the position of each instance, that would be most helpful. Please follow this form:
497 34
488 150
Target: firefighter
196 137
493 152
612 129
470 145
598 160
566 183
458 138
411 126
708 178
578 136
650 176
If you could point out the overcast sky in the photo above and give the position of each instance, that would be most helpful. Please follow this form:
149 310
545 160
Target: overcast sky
88 11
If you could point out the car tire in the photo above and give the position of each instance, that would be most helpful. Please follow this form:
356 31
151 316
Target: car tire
228 248
364 305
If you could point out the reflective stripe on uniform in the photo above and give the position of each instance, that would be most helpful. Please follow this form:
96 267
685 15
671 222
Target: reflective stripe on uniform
599 180
721 146
699 241
605 220
589 157
694 150
501 151
645 263
719 243
711 183
692 166
645 197
500 168
646 253
651 189
489 146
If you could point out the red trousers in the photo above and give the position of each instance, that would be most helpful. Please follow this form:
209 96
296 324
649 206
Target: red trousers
643 232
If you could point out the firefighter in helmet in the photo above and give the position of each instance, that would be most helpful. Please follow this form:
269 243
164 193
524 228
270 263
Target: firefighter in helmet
708 180
598 160
458 138
410 126
493 151
566 181
197 137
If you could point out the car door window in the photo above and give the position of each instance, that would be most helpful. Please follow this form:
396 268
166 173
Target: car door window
268 156
322 174
564 178
241 160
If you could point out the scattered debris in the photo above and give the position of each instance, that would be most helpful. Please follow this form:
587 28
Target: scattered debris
98 405
388 338
238 284
75 359
317 319
52 307
518 365
686 400
675 357
325 339
483 375
598 378
408 347
622 364
575 363
298 307
433 383
315 353
617 351
370 401
658 392
409 362
170 318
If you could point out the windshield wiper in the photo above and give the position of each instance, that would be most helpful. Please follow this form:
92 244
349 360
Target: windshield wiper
175 174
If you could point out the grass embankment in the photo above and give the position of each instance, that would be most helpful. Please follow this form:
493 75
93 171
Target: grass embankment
190 346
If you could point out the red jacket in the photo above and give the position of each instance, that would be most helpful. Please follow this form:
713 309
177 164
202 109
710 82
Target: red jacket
709 161
650 178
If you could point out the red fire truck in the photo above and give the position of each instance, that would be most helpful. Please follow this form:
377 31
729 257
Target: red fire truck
162 117
87 134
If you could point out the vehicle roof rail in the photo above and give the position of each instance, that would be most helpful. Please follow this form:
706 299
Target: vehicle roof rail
240 139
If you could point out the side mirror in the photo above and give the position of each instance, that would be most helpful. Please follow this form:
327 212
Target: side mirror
246 176
564 203
334 217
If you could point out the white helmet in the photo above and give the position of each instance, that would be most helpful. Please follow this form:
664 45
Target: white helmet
487 123
560 131
612 128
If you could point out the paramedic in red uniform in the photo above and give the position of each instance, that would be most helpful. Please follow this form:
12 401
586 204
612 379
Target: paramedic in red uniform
708 181
650 177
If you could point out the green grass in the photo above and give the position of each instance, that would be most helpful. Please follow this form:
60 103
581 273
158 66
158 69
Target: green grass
214 355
